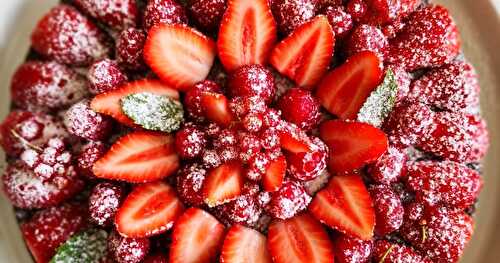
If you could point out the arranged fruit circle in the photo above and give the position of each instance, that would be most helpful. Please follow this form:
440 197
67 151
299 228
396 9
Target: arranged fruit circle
245 131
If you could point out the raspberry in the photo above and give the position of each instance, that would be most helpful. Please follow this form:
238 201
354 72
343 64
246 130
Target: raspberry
288 201
290 14
241 106
192 99
105 75
189 183
82 121
414 211
207 13
129 48
340 21
104 200
306 166
225 138
190 142
384 251
252 122
298 106
352 250
212 130
211 159
163 11
69 37
243 210
270 139
249 145
271 118
38 85
366 37
228 154
257 166
117 14
252 80
394 28
128 250
357 9
384 11
390 167
389 211
323 4
90 153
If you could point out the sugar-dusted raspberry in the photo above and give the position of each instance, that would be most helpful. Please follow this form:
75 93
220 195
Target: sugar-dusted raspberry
300 107
396 253
105 75
117 14
241 106
249 145
253 122
89 154
69 37
189 183
414 211
211 159
190 142
392 29
321 5
163 11
104 200
389 210
288 201
357 9
339 19
390 167
38 85
245 209
212 130
306 166
270 139
383 11
192 99
252 80
225 138
366 37
290 14
271 118
129 48
82 121
352 250
257 166
228 154
207 13
127 250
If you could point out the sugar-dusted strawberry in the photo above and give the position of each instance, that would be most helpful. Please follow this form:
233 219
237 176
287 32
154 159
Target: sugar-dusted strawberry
242 106
366 37
109 103
384 11
50 228
190 141
304 56
390 167
88 155
216 108
105 75
190 181
207 13
245 209
38 85
223 184
298 106
252 80
292 138
352 250
403 79
253 122
197 237
127 250
305 166
104 200
290 14
352 144
339 19
385 251
130 47
192 98
82 121
117 14
139 157
345 205
150 209
430 39
357 9
163 12
179 55
275 174
299 239
246 34
288 201
344 89
69 37
389 211
243 244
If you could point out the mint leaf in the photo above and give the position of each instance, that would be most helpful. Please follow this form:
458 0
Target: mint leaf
380 102
153 112
85 247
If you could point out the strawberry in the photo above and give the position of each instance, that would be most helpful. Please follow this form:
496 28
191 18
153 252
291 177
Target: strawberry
346 206
179 55
387 252
293 139
304 56
149 209
247 33
243 244
352 144
275 174
352 250
216 107
223 184
109 103
344 90
117 14
196 238
290 14
299 239
139 157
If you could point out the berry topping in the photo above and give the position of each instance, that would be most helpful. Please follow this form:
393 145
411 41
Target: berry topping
241 106
89 154
298 106
129 48
223 184
366 37
390 167
275 174
243 244
127 250
190 142
192 98
104 200
252 80
357 9
244 210
82 121
383 11
388 209
308 165
105 75
216 108
340 21
207 13
352 250
288 201
249 145
190 180
117 14
384 251
163 12
290 14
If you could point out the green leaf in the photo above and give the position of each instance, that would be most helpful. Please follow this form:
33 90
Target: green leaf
85 247
153 112
380 102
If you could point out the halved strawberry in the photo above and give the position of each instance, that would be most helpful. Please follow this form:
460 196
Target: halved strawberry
150 209
304 56
223 184
216 107
352 144
275 173
179 55
243 244
293 139
196 238
299 239
109 103
139 157
346 206
345 89
247 34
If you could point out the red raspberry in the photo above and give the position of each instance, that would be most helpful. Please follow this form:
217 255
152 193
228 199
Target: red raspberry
228 154
271 118
69 37
104 201
45 86
290 14
383 11
270 139
192 99
384 251
308 165
117 14
394 28
414 211
253 122
190 142
128 250
90 153
189 183
352 250
212 130
211 159
257 166
430 39
357 9
252 80
389 211
105 75
129 48
366 37
207 13
164 11
241 106
321 5
339 19
249 145
225 138
300 107
390 167
288 201
245 209
82 121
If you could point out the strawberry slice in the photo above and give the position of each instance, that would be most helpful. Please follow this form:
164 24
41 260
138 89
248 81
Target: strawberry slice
139 157
247 34
216 107
352 144
275 174
304 56
346 206
243 244
179 55
299 239
293 139
149 209
109 103
196 238
223 184
345 89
